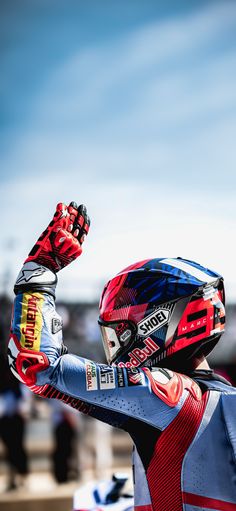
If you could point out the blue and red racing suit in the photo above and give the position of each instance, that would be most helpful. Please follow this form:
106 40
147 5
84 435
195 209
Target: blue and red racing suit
183 429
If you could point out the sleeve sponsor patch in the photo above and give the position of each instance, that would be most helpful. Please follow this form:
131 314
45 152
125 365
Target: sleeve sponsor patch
103 377
120 377
106 377
91 376
56 325
135 376
31 321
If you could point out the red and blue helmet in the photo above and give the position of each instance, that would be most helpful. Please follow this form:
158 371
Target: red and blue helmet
160 310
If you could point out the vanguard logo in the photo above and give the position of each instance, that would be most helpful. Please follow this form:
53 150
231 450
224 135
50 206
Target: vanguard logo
156 320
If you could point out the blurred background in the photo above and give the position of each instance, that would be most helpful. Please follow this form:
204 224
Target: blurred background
129 107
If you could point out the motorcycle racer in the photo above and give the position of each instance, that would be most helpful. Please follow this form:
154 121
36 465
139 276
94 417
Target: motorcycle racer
159 319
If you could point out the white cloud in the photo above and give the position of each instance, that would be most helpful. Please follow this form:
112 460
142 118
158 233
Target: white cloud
174 118
85 80
156 170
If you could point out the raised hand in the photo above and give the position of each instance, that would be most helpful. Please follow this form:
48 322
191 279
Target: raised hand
61 242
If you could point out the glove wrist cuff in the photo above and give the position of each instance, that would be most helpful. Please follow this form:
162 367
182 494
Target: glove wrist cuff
35 277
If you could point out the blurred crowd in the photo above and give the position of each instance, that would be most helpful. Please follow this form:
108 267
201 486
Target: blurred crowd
22 413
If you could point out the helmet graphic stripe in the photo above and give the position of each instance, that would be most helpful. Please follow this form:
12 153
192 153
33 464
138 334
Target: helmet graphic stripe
188 268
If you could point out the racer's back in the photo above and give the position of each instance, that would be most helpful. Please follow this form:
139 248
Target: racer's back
191 464
209 468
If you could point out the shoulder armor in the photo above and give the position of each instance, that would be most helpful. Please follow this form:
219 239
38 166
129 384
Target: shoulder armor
169 386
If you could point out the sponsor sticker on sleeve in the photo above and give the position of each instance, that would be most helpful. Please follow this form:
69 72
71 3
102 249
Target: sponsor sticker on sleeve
106 377
31 322
91 376
120 377
135 376
56 325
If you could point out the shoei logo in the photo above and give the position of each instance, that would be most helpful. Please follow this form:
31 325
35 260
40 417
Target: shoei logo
154 321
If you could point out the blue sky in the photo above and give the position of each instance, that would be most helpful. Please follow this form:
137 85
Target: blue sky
129 107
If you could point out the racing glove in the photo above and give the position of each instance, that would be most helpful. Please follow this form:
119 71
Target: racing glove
61 242
57 247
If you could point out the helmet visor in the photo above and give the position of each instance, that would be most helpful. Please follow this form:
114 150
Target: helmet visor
116 337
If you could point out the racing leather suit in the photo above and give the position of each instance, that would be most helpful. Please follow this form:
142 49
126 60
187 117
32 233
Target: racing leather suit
183 428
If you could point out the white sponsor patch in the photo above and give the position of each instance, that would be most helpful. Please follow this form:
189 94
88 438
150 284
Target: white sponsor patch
56 325
209 293
91 376
107 378
155 320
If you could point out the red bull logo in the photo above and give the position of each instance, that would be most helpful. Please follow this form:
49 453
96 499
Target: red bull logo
139 355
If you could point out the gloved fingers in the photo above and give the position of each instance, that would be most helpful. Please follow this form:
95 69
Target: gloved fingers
85 229
73 213
61 216
66 216
73 204
65 243
74 219
61 211
82 224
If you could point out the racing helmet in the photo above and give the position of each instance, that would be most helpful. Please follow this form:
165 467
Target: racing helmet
161 312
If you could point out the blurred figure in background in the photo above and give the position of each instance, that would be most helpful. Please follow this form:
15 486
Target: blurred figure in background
12 425
65 436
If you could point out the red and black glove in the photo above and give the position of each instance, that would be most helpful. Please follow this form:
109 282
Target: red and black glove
61 242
